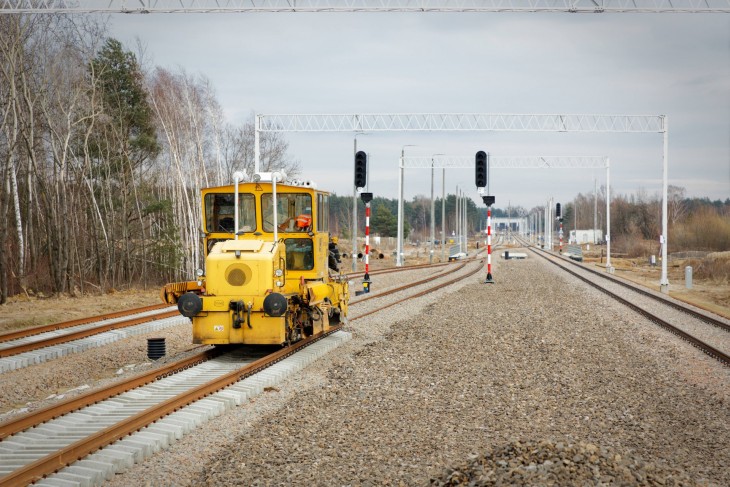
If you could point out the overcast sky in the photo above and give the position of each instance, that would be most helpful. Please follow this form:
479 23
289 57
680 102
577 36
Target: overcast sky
634 64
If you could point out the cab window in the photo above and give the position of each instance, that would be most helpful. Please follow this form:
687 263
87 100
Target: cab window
293 212
323 212
299 254
219 209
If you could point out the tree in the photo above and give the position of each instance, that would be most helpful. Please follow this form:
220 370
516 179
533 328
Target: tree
122 142
383 222
676 206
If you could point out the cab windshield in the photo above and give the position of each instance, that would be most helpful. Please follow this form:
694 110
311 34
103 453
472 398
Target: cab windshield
219 212
293 210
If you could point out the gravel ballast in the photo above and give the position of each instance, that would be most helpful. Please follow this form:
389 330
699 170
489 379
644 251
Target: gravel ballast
536 362
555 464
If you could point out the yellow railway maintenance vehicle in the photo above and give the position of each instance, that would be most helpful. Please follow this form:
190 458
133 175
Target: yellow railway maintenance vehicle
271 270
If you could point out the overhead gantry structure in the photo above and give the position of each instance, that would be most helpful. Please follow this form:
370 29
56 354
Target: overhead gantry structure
254 6
443 161
477 122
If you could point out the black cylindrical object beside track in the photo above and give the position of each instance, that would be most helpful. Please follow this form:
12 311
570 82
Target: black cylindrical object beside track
155 348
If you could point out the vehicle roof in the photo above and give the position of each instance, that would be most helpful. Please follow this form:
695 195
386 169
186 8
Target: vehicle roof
249 186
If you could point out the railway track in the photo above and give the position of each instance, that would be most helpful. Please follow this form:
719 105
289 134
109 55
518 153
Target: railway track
691 325
160 406
29 346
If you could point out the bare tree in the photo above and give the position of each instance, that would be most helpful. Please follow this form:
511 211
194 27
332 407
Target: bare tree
677 208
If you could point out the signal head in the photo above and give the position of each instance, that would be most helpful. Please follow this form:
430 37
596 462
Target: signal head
361 169
481 169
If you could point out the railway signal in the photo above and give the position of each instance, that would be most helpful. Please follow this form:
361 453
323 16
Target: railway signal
480 169
361 169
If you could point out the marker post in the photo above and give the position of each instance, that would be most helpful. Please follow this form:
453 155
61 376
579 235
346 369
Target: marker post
489 201
559 216
560 234
367 198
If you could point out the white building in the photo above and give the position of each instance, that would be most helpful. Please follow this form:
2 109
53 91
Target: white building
585 236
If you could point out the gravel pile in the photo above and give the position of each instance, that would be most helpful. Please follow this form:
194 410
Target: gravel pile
545 463
423 386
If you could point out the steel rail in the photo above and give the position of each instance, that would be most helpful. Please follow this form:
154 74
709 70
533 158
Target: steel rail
406 286
26 332
679 307
696 342
82 448
35 418
419 294
410 268
71 453
660 298
26 347
398 269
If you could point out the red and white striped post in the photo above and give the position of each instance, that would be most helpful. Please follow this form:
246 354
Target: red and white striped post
559 216
489 243
367 198
489 201
560 235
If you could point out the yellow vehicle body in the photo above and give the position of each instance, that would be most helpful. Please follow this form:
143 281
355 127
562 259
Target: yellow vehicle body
276 281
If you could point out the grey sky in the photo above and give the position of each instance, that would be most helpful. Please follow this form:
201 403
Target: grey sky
673 64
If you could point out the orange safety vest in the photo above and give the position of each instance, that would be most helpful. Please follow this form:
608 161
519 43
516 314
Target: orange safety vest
303 221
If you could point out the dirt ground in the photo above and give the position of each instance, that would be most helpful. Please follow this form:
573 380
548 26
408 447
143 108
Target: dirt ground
22 311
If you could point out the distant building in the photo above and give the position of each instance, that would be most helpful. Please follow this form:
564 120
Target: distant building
585 236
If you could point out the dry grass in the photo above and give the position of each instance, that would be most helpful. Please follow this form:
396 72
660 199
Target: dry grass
715 267
633 247
706 229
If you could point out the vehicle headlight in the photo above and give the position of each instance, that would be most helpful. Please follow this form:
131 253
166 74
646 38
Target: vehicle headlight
278 273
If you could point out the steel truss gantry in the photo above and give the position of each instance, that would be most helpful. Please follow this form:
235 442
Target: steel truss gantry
506 162
443 161
464 122
478 122
253 6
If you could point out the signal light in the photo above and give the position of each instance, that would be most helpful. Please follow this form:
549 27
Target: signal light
361 169
557 210
481 169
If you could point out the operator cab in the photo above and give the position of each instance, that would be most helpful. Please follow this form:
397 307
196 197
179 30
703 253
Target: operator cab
302 221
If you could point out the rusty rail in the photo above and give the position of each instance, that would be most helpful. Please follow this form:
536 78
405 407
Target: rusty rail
406 286
48 413
696 342
419 294
26 347
55 461
679 307
14 335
